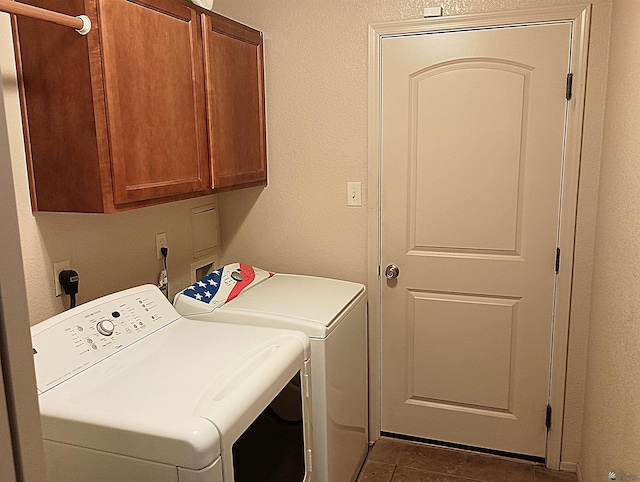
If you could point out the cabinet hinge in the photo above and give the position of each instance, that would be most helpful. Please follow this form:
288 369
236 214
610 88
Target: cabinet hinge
378 270
557 260
548 420
569 91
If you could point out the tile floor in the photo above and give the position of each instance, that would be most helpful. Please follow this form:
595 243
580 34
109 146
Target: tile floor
392 460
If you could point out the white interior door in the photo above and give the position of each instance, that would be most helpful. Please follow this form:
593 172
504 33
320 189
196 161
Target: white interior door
472 144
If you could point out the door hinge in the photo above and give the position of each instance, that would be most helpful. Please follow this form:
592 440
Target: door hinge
378 270
548 420
307 390
309 460
557 260
569 91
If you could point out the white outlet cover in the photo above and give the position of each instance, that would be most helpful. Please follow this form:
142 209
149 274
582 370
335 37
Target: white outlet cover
161 242
57 267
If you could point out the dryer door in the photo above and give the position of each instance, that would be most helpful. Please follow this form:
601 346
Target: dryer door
272 449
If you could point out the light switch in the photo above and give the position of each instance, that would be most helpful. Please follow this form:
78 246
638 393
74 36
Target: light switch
354 194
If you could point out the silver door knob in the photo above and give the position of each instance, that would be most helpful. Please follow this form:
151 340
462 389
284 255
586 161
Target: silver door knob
392 271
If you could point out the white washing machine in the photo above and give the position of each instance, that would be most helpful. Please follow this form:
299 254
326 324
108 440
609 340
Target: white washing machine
131 391
334 315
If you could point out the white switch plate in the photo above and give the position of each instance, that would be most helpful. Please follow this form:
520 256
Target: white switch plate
161 242
57 267
354 194
432 12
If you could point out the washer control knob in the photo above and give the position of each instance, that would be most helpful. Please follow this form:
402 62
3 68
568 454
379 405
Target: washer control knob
106 327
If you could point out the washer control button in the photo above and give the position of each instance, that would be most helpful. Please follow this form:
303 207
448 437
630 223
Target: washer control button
105 327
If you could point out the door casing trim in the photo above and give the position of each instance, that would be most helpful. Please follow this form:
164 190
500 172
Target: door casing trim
579 16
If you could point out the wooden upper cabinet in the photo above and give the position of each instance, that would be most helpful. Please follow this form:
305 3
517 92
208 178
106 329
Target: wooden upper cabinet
235 102
124 117
153 77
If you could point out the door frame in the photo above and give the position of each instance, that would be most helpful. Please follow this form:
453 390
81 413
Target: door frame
19 391
579 17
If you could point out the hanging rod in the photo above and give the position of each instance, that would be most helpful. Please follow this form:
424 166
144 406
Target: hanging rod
82 24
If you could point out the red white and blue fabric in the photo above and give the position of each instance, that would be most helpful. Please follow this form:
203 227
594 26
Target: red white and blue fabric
225 284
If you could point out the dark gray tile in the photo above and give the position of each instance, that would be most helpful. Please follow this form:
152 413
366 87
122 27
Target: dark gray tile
540 474
432 459
495 469
376 472
386 450
405 474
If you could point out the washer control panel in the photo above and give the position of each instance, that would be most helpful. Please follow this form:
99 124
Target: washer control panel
71 342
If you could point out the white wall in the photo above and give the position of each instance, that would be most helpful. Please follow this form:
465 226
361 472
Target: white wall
110 252
316 74
611 433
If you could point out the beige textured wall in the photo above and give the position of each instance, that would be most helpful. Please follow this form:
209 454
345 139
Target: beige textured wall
316 73
316 68
110 252
611 433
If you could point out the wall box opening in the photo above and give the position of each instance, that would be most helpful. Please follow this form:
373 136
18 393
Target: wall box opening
203 267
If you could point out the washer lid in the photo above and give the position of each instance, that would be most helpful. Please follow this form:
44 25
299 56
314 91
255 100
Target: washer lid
161 397
310 304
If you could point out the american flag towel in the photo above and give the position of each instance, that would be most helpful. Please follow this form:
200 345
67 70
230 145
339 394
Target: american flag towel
224 284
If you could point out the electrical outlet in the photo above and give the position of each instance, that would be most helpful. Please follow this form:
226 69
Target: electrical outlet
161 242
57 267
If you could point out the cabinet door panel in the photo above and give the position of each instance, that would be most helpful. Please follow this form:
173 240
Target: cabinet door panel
152 54
235 102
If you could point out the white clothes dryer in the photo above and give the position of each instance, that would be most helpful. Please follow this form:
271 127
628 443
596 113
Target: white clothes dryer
130 391
334 315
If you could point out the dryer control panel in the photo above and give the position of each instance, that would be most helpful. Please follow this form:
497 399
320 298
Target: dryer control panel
71 342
